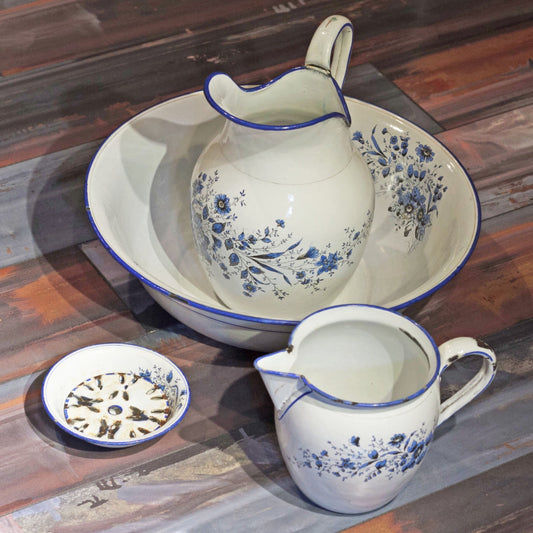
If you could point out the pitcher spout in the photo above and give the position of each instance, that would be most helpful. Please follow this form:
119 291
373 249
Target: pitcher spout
284 387
298 98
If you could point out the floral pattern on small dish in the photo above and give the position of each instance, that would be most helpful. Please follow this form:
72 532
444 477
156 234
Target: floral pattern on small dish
406 171
271 258
391 457
173 386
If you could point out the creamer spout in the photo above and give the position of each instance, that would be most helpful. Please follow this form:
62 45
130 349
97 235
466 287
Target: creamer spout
285 388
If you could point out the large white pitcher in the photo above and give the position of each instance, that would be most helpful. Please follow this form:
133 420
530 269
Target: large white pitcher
281 203
356 398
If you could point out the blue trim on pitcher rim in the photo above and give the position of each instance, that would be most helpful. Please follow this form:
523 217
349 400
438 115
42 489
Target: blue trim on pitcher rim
357 405
273 127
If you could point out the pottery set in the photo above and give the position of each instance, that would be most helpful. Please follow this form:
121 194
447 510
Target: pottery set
281 201
138 197
258 216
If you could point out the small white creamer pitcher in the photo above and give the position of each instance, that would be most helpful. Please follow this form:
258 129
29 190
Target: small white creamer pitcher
281 202
357 399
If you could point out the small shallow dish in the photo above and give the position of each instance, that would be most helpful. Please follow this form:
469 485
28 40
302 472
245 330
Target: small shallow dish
115 395
425 227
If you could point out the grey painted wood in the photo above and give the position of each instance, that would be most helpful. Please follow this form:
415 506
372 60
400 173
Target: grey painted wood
42 204
367 83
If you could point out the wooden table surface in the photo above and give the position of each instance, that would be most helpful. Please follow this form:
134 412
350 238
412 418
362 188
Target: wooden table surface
71 71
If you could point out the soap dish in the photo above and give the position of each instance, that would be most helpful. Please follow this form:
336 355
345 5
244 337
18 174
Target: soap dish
115 395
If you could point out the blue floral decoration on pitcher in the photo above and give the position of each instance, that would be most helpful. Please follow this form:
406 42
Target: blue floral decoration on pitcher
391 457
269 257
406 171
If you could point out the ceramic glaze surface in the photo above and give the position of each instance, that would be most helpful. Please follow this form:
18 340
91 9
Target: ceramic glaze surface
281 202
255 248
389 457
380 363
351 440
360 459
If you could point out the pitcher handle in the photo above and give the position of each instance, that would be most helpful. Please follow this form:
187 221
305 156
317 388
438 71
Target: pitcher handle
331 47
455 349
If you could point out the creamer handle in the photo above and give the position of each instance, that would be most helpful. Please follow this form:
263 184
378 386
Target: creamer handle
458 348
331 47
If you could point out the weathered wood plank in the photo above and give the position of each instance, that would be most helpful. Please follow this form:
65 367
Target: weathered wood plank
85 100
127 287
452 508
366 83
42 204
489 97
53 305
34 33
493 291
471 80
227 394
498 154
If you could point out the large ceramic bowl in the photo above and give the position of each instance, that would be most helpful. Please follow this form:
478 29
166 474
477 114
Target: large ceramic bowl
425 227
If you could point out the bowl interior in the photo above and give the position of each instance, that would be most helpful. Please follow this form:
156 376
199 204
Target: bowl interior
425 227
135 370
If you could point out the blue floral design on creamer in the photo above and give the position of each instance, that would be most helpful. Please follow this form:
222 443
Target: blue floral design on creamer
406 171
391 457
271 257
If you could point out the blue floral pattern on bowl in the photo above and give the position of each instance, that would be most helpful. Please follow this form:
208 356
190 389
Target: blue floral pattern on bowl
393 457
270 257
406 171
